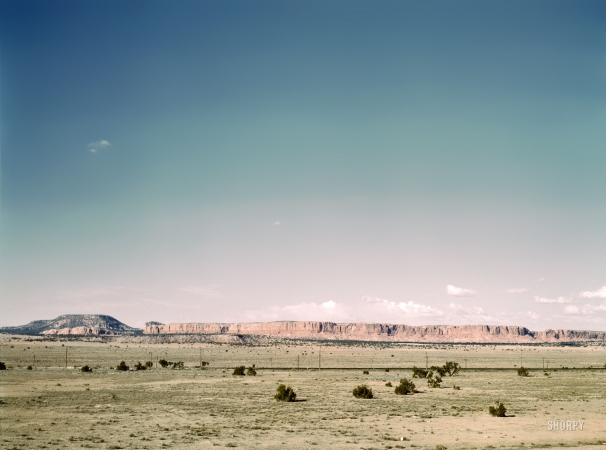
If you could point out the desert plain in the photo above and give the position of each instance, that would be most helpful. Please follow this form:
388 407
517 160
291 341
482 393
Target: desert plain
56 405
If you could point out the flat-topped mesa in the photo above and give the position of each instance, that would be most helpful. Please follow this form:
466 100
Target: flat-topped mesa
380 332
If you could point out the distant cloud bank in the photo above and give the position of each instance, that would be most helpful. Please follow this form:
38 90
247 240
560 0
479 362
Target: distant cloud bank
553 300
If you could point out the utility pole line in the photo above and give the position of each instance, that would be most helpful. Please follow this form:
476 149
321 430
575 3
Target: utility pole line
66 356
426 361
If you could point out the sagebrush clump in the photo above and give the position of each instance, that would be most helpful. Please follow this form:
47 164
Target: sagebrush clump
285 394
122 366
499 411
251 371
523 372
362 391
240 370
2 366
365 372
406 387
86 369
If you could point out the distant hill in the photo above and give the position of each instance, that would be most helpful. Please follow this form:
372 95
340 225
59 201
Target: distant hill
380 332
78 324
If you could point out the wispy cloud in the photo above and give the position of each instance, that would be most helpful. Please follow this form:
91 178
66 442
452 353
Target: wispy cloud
459 292
552 300
202 291
472 313
532 315
600 293
585 309
94 147
515 291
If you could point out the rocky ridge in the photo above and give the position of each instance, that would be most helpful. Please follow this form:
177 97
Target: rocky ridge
379 332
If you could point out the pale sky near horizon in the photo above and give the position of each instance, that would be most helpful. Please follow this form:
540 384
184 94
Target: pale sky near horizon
416 162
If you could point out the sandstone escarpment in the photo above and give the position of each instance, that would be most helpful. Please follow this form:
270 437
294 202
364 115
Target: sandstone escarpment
380 332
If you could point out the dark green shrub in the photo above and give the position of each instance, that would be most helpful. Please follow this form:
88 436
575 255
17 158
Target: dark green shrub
122 366
362 391
499 411
140 366
239 371
285 394
388 384
178 365
30 368
406 387
149 364
366 372
440 370
86 369
386 370
434 380
419 373
2 366
252 371
452 368
458 388
523 372
164 363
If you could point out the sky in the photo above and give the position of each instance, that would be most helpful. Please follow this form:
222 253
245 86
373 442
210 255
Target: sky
410 162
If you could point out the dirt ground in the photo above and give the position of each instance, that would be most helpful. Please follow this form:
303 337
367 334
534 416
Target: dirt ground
54 407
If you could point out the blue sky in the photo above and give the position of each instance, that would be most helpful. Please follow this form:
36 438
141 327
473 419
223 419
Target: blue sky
223 161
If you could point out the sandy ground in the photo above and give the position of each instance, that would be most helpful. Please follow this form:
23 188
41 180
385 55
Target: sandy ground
54 407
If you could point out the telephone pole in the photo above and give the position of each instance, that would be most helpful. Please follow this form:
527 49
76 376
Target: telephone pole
426 361
66 356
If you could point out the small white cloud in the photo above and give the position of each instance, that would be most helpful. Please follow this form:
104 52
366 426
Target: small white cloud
411 308
94 147
459 292
600 293
515 291
330 304
552 300
532 315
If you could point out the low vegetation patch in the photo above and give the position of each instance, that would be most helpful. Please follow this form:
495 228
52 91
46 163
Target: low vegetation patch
523 372
240 370
86 369
498 411
285 394
140 366
122 366
2 366
251 371
406 387
366 372
388 384
175 365
362 391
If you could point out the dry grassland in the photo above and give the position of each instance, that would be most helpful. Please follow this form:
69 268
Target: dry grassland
51 407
